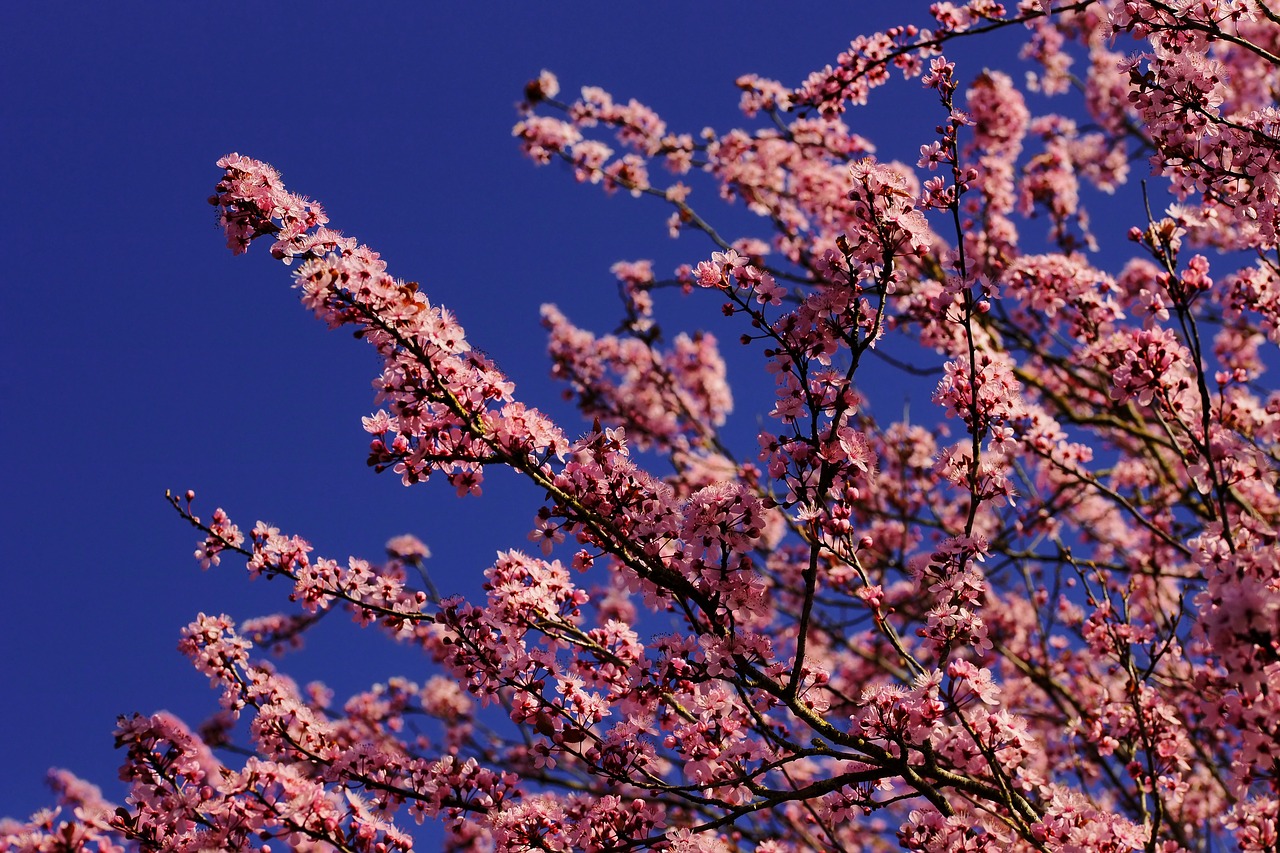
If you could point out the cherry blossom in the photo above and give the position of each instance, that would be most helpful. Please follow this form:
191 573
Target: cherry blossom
1037 610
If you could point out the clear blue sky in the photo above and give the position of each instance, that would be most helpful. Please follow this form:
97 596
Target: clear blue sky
139 355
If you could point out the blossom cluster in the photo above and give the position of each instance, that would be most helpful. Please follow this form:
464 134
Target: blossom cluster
1042 615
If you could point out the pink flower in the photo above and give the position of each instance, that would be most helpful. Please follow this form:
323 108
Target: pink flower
408 547
547 534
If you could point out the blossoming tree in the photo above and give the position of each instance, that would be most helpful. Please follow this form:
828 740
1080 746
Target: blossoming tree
1047 619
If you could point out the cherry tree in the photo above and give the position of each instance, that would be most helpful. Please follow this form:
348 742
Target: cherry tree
1043 615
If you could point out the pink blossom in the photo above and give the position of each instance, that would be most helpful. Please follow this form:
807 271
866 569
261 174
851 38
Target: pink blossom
1040 611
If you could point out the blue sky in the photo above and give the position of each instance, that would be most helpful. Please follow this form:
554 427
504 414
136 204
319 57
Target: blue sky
139 355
